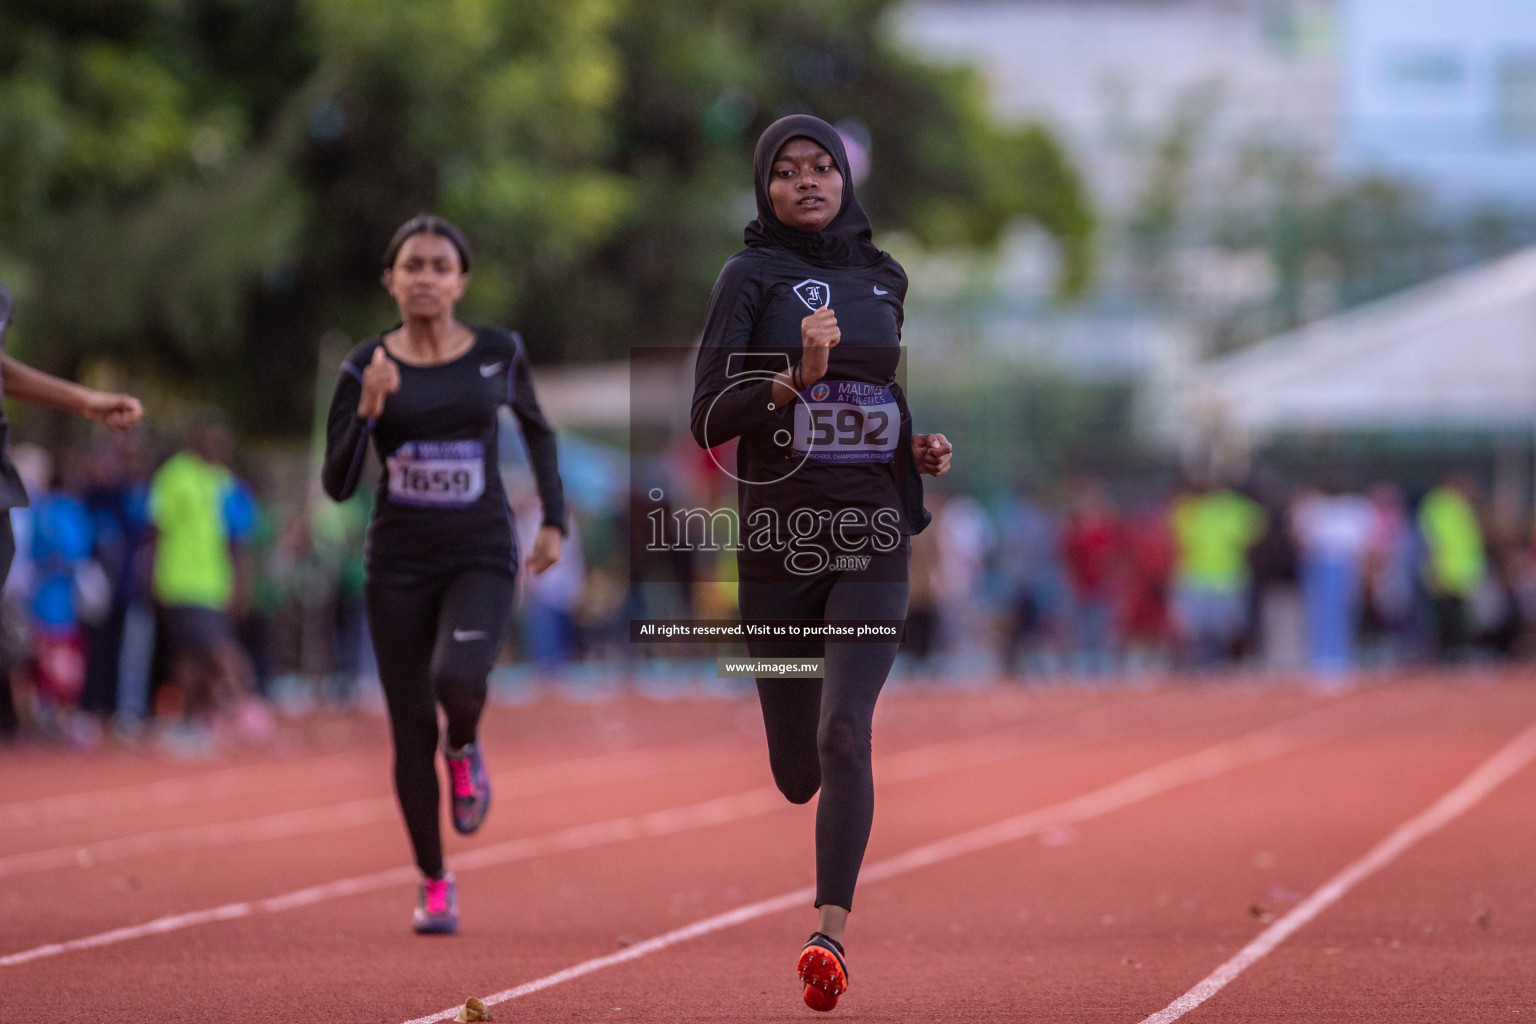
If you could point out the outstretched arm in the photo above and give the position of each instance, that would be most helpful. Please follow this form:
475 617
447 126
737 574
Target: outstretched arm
29 385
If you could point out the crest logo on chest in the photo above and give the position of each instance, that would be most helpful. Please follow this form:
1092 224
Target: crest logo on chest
814 294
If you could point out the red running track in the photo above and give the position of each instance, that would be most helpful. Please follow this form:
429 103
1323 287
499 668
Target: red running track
1059 856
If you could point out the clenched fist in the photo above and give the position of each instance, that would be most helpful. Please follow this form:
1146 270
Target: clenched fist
380 380
546 549
931 452
818 335
117 411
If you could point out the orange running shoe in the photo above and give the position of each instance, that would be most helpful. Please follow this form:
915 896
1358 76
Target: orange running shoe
824 972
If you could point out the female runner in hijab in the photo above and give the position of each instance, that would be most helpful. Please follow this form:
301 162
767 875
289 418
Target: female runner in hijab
799 362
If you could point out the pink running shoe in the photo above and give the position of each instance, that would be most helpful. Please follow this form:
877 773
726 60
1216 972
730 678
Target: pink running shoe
437 907
469 785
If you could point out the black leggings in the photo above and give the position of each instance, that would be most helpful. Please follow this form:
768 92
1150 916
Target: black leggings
819 729
436 644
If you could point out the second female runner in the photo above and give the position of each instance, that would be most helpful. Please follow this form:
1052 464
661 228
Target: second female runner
441 556
829 485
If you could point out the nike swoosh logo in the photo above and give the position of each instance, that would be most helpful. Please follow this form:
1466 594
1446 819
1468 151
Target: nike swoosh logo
462 635
490 369
878 291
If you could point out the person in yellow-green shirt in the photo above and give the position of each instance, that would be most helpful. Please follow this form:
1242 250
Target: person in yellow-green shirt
190 500
1213 529
1455 560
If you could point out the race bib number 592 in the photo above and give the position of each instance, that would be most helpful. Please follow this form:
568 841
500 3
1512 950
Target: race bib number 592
446 474
846 421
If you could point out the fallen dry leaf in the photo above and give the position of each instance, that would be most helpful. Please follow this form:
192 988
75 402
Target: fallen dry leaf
473 1010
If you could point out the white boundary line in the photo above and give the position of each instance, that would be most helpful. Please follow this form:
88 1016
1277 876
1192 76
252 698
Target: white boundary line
173 792
1514 756
906 766
1266 743
180 790
552 777
232 782
641 763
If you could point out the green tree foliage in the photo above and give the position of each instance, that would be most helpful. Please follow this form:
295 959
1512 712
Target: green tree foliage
1335 245
200 188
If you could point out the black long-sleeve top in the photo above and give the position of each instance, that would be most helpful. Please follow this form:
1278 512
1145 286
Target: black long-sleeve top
844 445
441 507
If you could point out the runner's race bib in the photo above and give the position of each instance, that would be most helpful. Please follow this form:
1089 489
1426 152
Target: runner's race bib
443 474
846 421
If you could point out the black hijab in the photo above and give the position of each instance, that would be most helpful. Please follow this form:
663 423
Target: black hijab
845 241
5 311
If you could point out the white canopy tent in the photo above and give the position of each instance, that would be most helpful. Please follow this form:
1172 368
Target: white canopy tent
1458 352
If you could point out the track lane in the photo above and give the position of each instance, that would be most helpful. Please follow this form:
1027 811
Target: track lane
1445 931
1095 922
537 910
352 960
108 896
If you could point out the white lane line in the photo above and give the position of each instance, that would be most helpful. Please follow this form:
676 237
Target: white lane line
235 780
906 766
1518 753
545 778
175 792
251 830
1262 745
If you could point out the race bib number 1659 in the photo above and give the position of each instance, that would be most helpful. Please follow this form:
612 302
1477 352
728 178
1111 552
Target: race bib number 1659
445 474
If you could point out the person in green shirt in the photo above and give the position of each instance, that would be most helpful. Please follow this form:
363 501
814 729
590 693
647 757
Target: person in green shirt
1213 528
1456 561
193 582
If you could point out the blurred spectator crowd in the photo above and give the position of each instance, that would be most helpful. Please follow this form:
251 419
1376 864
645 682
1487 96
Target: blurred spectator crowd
172 597
1086 578
1319 580
166 600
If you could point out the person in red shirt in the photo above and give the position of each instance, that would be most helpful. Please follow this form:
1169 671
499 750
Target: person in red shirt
1149 560
1091 546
